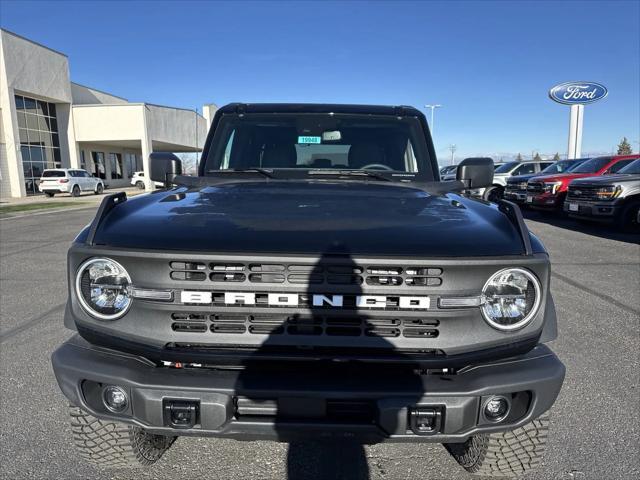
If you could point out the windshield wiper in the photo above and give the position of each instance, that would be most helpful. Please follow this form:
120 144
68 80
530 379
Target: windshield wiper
352 173
261 171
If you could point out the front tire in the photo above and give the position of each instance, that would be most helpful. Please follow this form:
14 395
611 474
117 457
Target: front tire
503 454
140 184
115 445
627 221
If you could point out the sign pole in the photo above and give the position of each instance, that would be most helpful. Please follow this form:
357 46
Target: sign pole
576 118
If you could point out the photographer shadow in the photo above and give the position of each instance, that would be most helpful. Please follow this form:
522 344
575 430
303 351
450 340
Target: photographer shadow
322 451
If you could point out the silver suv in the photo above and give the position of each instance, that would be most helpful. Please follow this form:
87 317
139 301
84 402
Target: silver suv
69 180
506 170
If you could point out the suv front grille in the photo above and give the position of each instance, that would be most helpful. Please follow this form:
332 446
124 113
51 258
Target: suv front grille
535 187
513 187
305 274
316 325
583 192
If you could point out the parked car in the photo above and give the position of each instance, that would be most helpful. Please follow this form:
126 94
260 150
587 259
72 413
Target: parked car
549 192
451 172
611 198
258 301
501 174
516 188
137 180
69 180
447 170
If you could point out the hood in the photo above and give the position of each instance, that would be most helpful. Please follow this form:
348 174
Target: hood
565 178
521 178
311 217
608 180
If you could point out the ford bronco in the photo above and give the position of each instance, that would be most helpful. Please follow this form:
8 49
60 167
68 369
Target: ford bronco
315 280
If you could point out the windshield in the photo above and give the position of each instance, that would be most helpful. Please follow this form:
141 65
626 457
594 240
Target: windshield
575 165
592 166
319 141
632 169
559 167
506 168
53 173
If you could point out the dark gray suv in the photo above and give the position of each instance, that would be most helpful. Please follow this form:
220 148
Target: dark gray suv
612 198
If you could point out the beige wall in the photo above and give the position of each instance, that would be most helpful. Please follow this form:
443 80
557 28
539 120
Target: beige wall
98 123
176 126
86 95
35 69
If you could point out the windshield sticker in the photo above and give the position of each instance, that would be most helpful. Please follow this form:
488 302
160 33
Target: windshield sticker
307 140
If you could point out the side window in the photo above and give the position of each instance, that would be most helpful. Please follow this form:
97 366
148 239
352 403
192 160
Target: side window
620 165
545 165
524 169
73 173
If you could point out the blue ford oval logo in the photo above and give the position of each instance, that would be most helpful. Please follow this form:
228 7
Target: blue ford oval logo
578 93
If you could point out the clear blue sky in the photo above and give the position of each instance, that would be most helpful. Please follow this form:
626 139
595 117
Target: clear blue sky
490 64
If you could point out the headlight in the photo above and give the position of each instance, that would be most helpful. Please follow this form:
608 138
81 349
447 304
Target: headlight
608 193
103 288
510 298
552 187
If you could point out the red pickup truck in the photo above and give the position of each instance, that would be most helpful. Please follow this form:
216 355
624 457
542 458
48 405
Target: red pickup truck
549 192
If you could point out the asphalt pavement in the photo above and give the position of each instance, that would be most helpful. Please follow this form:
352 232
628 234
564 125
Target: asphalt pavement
595 427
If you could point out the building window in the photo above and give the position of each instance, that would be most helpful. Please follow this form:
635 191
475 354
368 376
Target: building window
39 139
99 169
83 160
130 164
115 164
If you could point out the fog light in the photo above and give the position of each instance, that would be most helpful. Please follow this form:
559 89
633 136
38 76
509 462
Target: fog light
496 409
115 399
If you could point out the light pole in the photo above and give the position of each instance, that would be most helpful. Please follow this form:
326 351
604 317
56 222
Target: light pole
432 107
453 149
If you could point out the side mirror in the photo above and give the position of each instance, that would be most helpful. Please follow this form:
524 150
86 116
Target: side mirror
475 172
164 167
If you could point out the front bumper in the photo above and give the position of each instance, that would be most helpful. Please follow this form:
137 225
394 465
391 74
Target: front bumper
544 201
592 210
518 196
280 405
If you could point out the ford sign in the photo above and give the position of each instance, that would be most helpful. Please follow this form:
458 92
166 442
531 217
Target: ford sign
578 93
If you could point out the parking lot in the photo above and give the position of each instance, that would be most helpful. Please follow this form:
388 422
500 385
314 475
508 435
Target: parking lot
595 429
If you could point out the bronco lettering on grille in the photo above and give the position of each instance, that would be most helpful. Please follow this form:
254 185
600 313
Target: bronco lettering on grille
316 300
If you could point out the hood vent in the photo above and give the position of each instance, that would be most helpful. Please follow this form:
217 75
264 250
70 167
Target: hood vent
306 274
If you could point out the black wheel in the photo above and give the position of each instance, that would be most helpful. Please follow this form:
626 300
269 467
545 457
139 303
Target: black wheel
99 189
75 191
493 194
49 194
140 184
113 444
504 454
629 218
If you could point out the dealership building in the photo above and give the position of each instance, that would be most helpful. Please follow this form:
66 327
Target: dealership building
47 121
